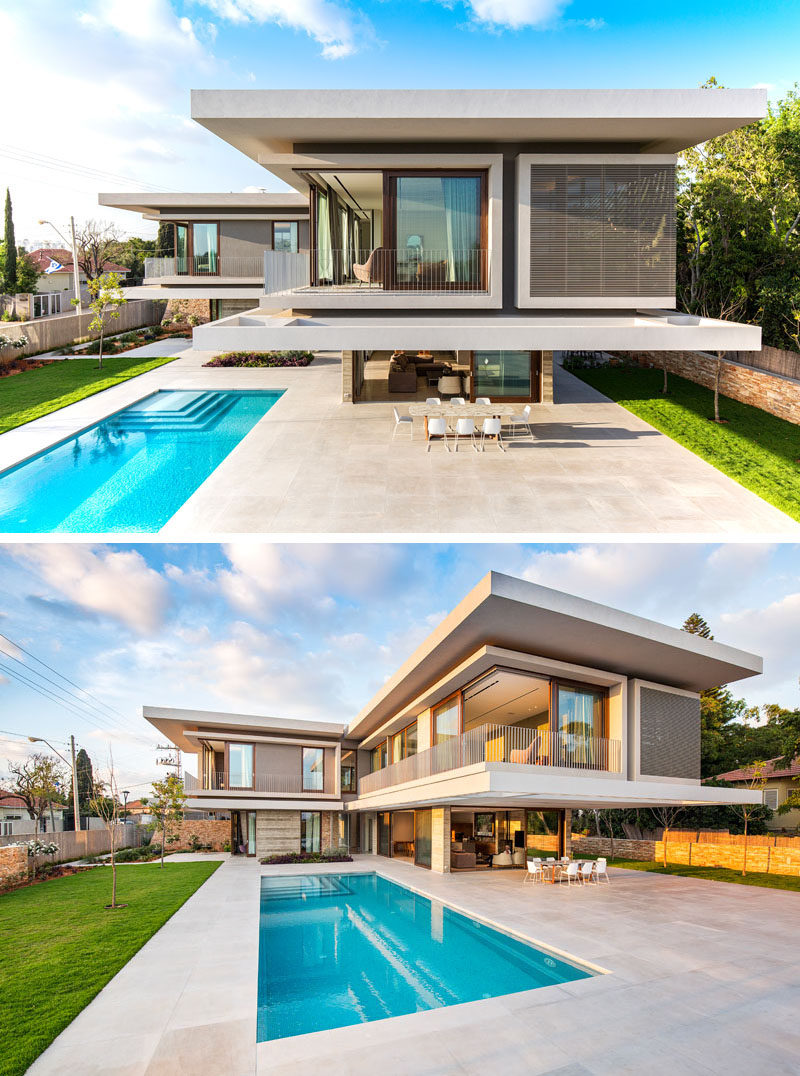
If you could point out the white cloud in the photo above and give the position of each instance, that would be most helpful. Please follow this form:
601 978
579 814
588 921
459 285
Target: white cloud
772 630
115 584
334 26
513 14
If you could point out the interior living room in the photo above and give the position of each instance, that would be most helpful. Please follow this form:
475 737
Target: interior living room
416 375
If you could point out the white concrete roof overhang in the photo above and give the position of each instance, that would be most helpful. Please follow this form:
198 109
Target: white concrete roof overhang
658 121
174 723
249 201
517 615
562 331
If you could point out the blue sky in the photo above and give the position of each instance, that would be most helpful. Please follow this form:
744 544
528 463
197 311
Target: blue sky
104 84
314 630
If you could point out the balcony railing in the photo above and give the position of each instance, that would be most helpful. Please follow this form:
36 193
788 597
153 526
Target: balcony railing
204 265
365 272
500 743
271 783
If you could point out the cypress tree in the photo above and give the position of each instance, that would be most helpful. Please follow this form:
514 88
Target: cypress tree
10 253
83 767
165 240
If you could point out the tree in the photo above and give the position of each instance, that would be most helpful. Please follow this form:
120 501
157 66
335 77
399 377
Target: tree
666 816
131 253
10 252
85 779
106 299
36 781
98 242
105 804
755 783
166 805
27 273
165 240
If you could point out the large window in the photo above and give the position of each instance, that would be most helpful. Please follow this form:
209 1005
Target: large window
378 756
348 771
310 831
197 248
446 720
423 827
285 236
404 743
313 769
502 374
580 716
240 765
437 223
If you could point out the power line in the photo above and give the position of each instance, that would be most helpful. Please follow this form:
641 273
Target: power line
41 160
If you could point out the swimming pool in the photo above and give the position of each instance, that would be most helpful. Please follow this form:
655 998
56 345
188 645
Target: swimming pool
133 470
339 949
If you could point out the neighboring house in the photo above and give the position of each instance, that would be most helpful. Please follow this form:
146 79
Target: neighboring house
56 277
524 704
466 233
780 781
219 243
14 817
136 811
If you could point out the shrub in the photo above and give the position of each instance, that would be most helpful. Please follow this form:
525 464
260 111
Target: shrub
193 320
196 845
309 857
262 358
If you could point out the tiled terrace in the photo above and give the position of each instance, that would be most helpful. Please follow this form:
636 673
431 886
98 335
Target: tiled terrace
315 465
702 979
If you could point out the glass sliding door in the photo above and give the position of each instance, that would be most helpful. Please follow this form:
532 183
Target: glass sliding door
503 375
313 769
422 838
181 248
240 765
580 714
384 833
310 831
447 720
205 254
438 225
251 833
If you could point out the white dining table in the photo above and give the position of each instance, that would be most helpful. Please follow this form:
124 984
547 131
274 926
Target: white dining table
466 410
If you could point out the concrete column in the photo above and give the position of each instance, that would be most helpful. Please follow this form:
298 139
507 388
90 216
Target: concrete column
547 377
567 832
347 377
277 831
440 840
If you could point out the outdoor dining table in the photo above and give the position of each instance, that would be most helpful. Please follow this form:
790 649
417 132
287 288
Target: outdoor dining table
467 410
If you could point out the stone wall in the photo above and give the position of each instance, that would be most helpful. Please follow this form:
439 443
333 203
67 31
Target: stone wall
778 395
760 859
440 840
213 831
277 832
183 308
623 849
547 377
13 865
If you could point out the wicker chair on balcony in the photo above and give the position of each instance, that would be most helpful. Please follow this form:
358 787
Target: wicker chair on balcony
371 271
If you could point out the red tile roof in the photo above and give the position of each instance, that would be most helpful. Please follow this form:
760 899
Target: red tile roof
11 799
746 772
42 256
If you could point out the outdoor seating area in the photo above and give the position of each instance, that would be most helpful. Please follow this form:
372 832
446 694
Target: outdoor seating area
456 421
565 871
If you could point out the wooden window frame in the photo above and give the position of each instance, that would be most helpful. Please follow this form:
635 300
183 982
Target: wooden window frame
536 365
189 226
238 743
402 732
303 749
459 694
390 177
575 685
354 752
287 221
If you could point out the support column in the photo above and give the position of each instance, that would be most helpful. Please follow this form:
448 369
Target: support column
567 832
347 377
440 840
547 377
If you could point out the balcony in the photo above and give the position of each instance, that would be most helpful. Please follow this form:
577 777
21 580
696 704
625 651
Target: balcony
270 784
500 743
208 268
361 274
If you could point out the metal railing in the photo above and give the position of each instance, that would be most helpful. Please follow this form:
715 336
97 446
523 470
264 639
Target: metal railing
500 743
239 268
220 781
361 272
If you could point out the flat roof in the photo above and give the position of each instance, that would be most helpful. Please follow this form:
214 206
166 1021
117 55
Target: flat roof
657 120
174 722
513 613
147 202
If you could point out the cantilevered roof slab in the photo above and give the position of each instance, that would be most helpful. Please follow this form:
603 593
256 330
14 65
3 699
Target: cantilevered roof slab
513 613
260 122
641 330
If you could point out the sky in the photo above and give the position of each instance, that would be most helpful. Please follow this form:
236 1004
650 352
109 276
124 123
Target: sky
312 631
98 90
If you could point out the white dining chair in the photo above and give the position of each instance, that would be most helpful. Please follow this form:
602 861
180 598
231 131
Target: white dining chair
523 420
534 872
571 874
492 428
601 870
482 400
465 427
402 420
458 400
433 401
587 869
437 427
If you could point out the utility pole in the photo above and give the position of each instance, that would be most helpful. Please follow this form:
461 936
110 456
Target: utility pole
76 814
175 762
76 270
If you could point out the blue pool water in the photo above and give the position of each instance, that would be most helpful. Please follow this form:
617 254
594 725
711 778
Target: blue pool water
349 948
132 471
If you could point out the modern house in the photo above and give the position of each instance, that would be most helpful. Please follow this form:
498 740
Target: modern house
780 781
523 705
465 234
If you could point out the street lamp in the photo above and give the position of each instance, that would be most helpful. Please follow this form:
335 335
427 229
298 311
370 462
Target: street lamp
76 273
125 798
76 814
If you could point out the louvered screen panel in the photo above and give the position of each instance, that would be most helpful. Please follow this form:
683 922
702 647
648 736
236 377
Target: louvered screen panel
602 230
670 734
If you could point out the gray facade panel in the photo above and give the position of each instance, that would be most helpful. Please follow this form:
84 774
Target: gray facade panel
670 734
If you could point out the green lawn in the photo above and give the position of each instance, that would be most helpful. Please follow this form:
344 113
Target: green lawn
714 874
34 393
59 946
755 448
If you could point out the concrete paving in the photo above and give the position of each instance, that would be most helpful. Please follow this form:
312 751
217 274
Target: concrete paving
701 978
315 465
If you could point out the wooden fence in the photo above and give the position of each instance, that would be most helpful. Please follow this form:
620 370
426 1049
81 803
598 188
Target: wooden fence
86 842
773 359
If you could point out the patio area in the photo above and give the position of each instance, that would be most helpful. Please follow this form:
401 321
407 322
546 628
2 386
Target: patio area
701 978
316 465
